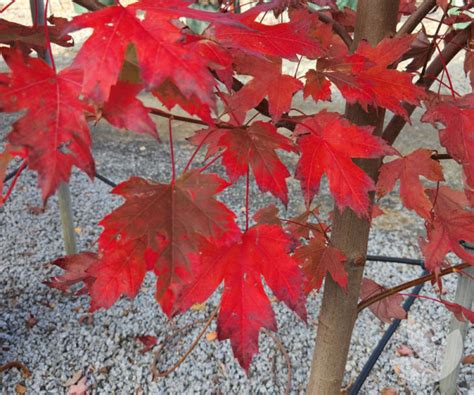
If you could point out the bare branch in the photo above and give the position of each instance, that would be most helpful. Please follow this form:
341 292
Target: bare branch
412 22
399 288
396 124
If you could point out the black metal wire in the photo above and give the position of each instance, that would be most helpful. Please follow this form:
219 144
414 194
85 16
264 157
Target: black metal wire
383 341
105 180
373 258
9 176
406 261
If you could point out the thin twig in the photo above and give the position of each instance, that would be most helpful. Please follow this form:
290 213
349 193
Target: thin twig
396 124
392 291
16 364
285 354
156 373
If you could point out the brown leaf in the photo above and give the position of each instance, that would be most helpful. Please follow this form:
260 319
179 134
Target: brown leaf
468 359
20 389
389 391
31 321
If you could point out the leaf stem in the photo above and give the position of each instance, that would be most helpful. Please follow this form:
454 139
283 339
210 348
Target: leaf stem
173 166
196 151
247 195
211 162
12 185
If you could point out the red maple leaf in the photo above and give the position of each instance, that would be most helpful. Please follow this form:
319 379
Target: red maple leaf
460 312
33 37
365 77
245 308
318 260
284 40
408 170
153 28
385 309
451 223
328 144
253 146
267 81
124 110
163 219
53 131
458 135
148 342
75 271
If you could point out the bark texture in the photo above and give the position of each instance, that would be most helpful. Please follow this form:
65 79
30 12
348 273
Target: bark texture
376 19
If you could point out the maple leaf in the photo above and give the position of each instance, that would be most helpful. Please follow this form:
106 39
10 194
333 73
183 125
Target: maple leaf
316 86
328 143
460 312
245 308
252 146
267 81
148 343
317 260
293 37
162 219
170 96
53 131
154 30
267 215
124 110
458 134
75 271
385 309
33 37
408 170
365 77
451 224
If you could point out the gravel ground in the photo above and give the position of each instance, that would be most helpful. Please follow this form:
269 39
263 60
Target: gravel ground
63 342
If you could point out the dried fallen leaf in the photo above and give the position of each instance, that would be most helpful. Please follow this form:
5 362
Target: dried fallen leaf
31 321
389 391
198 307
20 389
78 230
468 359
404 351
211 336
397 369
80 388
148 342
74 379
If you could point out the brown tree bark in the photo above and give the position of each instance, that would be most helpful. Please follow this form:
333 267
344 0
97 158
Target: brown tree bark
375 20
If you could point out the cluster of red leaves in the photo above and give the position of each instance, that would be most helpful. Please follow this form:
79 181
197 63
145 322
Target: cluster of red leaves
179 230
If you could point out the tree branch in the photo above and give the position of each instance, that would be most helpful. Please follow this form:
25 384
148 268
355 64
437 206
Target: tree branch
337 28
412 22
396 124
392 291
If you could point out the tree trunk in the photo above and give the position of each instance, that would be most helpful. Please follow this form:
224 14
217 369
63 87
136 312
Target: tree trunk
375 20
